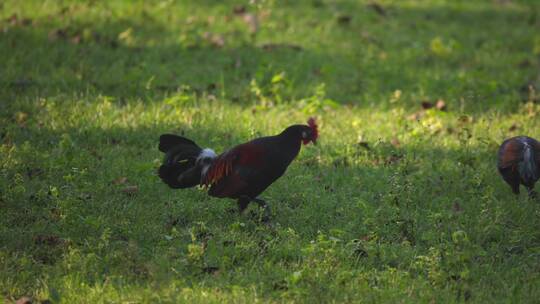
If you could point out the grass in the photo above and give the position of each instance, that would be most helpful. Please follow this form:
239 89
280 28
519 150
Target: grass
396 204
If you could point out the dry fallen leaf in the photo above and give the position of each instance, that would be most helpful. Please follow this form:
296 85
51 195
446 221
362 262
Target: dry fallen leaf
377 8
463 119
513 127
440 105
20 118
216 40
76 39
239 10
416 116
426 105
344 20
13 19
24 300
57 34
392 159
456 207
130 190
119 181
252 22
274 46
48 240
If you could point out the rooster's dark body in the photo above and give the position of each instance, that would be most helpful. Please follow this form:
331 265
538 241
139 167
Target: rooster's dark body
519 163
241 173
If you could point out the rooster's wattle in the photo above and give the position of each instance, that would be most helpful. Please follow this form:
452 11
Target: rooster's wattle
243 172
519 163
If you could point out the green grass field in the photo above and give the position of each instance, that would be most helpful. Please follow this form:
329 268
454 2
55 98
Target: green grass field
397 202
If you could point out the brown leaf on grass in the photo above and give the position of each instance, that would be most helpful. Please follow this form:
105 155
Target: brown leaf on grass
131 190
57 34
239 10
440 105
24 300
416 115
13 19
252 21
275 46
513 127
377 8
264 14
366 238
392 159
464 119
211 269
216 40
76 39
426 104
21 118
344 20
120 181
48 240
456 207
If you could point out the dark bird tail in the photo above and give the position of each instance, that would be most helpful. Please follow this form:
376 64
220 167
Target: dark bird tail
528 168
184 161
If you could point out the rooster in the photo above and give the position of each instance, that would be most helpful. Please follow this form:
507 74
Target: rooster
519 163
243 172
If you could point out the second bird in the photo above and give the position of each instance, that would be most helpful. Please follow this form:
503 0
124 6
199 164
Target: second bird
243 172
519 163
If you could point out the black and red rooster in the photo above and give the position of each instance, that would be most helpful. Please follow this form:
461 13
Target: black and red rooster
241 173
519 163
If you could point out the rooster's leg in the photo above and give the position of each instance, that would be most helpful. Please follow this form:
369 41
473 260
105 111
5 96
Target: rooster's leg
532 193
515 188
265 206
243 202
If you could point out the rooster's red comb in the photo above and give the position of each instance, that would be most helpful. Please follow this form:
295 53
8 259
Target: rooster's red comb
314 128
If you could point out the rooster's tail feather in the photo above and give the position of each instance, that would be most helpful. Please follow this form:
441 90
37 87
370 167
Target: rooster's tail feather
184 161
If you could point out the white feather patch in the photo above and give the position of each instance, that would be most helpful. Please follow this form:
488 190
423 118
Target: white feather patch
208 154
